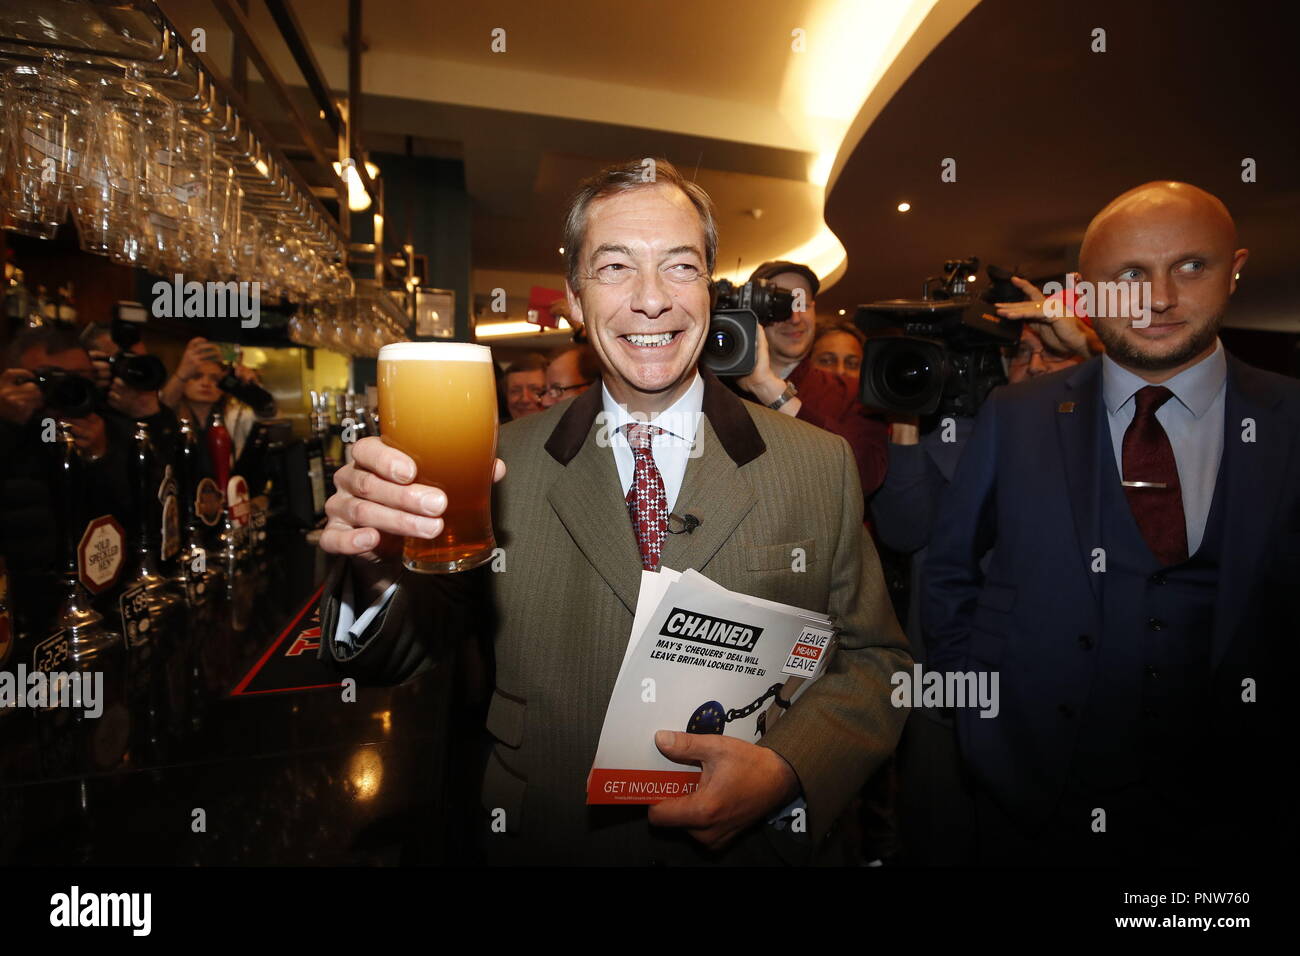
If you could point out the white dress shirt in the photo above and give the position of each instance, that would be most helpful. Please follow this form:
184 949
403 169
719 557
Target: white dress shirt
671 451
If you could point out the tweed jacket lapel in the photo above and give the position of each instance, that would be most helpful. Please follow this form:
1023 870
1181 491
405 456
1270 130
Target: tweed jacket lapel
589 501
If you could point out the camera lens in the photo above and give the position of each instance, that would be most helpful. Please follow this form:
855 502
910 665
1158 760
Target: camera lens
729 346
67 394
720 344
778 307
145 372
907 373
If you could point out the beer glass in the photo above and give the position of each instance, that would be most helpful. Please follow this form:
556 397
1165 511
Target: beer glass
49 124
437 403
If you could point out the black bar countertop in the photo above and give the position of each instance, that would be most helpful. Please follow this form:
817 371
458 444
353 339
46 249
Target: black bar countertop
223 770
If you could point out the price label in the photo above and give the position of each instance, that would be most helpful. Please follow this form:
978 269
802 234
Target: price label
51 653
195 586
259 526
134 605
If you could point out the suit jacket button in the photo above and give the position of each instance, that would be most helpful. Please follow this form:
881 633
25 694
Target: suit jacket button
1157 578
1155 624
1066 711
1152 672
1085 641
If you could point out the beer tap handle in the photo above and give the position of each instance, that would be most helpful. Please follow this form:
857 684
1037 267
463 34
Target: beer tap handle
69 471
144 499
185 461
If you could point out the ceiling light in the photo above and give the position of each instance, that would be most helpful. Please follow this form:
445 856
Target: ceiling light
486 330
904 206
358 198
841 311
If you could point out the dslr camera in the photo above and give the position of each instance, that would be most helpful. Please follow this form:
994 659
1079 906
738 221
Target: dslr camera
66 394
144 372
941 353
738 311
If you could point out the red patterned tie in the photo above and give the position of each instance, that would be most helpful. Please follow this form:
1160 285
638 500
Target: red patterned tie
1151 479
646 501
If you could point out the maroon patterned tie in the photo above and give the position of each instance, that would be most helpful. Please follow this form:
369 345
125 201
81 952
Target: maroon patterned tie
1151 479
646 501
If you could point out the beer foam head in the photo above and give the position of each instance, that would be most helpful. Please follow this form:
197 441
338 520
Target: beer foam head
435 351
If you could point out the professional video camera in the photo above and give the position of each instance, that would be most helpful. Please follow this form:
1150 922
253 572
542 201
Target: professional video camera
738 311
941 353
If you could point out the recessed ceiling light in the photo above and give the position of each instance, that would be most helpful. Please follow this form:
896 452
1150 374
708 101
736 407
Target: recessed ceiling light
904 206
841 311
561 250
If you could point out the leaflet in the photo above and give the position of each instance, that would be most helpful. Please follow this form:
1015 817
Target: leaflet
700 659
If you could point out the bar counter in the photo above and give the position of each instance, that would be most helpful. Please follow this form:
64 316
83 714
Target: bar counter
225 766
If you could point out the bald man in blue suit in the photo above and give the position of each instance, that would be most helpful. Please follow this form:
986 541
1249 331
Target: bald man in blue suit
1141 616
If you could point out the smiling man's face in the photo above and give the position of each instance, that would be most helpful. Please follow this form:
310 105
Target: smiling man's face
1182 241
644 294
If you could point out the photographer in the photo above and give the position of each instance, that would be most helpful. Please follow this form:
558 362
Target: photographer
823 399
130 403
923 453
135 403
935 809
32 512
1069 334
203 383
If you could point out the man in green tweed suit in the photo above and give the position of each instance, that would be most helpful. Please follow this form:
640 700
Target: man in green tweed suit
580 508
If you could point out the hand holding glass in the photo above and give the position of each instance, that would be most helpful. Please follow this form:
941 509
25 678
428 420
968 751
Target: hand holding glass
437 404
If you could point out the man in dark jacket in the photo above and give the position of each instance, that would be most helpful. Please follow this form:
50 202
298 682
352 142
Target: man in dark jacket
1140 616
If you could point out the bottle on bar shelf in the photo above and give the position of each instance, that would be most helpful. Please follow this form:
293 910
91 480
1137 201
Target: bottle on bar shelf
220 449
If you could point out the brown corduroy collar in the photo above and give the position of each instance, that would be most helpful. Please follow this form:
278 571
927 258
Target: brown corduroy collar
724 410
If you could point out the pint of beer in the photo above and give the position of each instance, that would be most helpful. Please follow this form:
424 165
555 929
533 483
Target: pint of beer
437 403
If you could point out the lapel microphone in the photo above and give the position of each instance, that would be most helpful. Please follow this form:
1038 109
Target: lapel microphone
684 523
